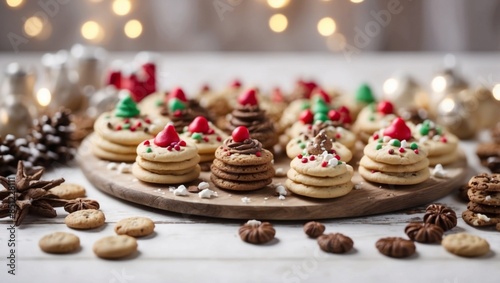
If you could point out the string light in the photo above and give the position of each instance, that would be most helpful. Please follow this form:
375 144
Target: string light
92 31
43 97
278 23
277 4
33 26
14 3
326 26
133 29
121 7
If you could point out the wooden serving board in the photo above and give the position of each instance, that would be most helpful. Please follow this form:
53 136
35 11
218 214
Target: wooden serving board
366 199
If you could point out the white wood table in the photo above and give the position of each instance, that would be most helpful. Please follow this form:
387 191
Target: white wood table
197 249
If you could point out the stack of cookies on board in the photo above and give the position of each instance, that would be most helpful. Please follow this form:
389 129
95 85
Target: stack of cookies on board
166 159
483 208
393 158
241 163
319 173
118 133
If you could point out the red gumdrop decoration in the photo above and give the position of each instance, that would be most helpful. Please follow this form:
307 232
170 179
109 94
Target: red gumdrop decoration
307 117
167 136
177 93
321 93
205 88
385 107
343 109
147 120
398 130
248 97
199 125
182 143
258 154
277 95
324 164
146 143
299 156
235 84
334 115
240 134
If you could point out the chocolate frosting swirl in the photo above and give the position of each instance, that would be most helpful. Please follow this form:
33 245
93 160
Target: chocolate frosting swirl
251 117
181 121
320 143
248 146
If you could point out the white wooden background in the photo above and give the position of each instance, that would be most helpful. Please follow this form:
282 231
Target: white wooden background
198 249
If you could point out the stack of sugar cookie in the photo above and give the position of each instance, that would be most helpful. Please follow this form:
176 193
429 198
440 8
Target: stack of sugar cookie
319 173
206 137
442 145
319 176
390 159
118 133
241 163
166 159
483 208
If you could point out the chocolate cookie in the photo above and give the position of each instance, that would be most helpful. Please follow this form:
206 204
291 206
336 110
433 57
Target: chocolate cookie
242 177
486 198
485 182
485 150
242 169
481 208
480 220
239 185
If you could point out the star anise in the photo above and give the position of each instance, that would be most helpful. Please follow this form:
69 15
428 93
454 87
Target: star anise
29 195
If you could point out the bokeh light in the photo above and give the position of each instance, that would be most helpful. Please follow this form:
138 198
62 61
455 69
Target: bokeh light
326 26
92 31
121 7
33 26
277 4
278 23
14 3
133 29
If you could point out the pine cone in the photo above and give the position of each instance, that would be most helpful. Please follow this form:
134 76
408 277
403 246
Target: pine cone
51 139
11 151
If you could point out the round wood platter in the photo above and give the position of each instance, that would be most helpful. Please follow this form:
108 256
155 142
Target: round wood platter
366 199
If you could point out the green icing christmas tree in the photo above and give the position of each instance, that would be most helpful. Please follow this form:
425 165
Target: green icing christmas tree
126 108
364 94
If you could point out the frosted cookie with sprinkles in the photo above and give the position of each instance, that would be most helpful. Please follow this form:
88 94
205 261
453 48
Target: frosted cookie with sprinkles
118 133
442 145
166 159
373 118
205 136
390 159
321 142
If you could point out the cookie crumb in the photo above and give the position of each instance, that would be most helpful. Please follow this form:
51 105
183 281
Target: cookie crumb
193 189
181 191
207 193
358 186
439 171
246 200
